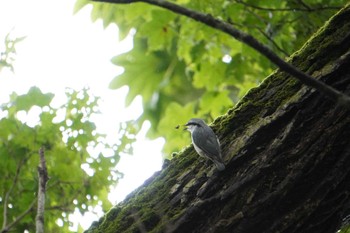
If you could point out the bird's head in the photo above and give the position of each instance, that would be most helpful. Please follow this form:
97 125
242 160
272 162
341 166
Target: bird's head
194 123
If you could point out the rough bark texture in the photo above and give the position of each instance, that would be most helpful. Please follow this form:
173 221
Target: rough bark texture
287 155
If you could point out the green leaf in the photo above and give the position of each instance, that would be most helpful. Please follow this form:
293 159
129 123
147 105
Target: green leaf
215 102
79 4
144 71
8 127
159 30
183 1
34 98
209 75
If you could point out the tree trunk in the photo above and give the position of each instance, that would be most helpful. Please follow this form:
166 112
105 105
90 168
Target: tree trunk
287 154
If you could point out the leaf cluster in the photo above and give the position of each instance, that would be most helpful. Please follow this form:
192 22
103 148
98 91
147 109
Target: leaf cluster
81 165
7 55
183 69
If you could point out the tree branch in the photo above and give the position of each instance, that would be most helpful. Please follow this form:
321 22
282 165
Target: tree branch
273 42
267 36
43 178
243 37
19 217
8 193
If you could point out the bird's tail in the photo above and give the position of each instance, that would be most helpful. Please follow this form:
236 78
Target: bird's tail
219 165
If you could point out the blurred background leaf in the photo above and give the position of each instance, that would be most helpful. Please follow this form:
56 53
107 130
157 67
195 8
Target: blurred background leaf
8 51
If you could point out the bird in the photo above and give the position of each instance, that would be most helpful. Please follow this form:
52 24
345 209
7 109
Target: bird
205 142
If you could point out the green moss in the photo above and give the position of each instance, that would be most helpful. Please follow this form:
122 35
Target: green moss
150 219
113 213
316 53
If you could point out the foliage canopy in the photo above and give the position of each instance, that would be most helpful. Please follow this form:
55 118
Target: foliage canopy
81 165
184 69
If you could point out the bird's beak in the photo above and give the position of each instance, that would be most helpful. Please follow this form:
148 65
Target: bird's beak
185 127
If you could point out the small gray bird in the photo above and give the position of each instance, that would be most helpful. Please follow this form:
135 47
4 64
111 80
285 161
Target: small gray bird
205 141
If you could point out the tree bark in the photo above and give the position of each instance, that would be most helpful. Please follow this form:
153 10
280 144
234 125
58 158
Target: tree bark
287 154
43 178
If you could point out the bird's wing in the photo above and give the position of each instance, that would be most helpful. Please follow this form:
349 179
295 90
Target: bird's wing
207 141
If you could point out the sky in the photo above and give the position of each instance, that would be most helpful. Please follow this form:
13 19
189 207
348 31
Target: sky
65 50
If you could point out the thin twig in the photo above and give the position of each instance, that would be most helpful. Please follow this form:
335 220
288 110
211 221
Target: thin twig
262 32
266 35
243 37
307 8
19 217
273 42
8 193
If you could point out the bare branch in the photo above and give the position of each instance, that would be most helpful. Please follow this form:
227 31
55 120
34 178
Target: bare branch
243 37
63 208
